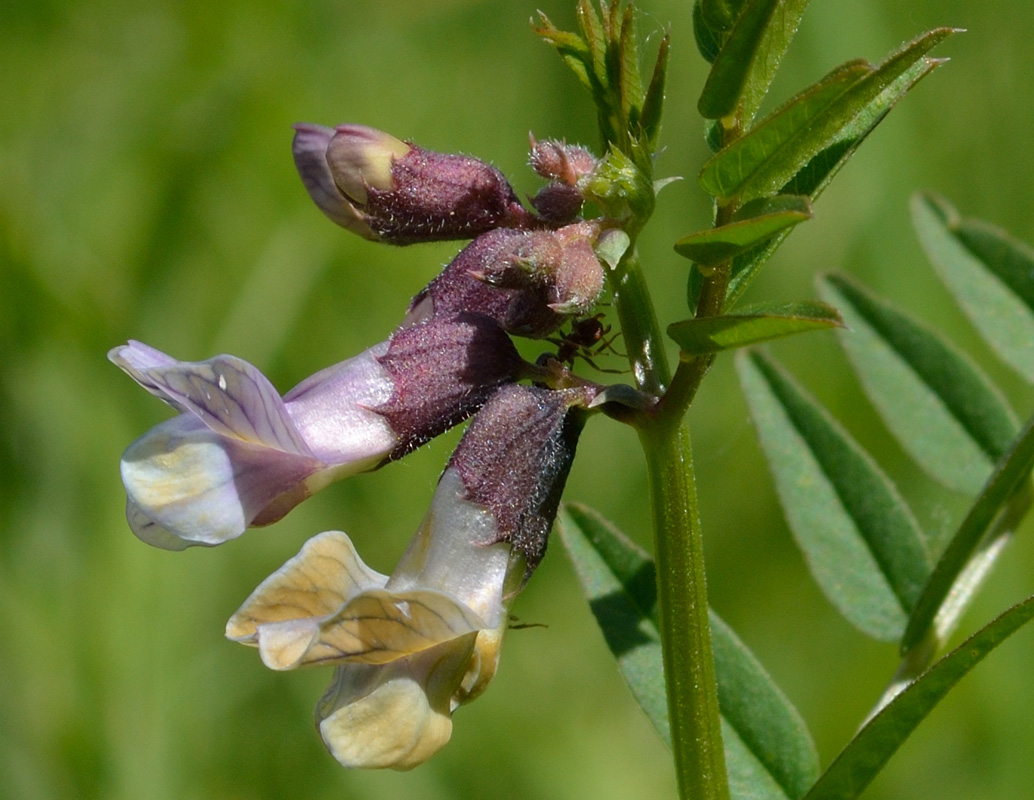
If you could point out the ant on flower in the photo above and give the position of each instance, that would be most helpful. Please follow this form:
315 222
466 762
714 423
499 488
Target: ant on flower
585 340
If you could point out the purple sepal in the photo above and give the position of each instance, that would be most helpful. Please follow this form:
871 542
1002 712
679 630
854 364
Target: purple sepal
515 457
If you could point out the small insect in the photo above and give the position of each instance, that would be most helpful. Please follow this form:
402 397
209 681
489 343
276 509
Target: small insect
587 338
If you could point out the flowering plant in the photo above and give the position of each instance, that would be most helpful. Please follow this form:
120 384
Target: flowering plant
410 648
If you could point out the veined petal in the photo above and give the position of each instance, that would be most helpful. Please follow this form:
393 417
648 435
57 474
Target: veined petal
226 393
326 574
136 358
325 605
377 627
397 715
205 488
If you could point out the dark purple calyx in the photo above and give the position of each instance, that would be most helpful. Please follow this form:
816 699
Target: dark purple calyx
514 460
438 196
443 370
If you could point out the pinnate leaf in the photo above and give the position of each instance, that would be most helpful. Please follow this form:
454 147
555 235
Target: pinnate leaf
990 274
831 112
860 540
751 326
769 753
872 747
945 412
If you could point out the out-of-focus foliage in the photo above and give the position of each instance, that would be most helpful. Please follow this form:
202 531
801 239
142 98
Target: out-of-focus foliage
148 192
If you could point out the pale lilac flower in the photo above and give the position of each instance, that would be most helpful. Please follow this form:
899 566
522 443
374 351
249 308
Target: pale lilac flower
240 455
413 647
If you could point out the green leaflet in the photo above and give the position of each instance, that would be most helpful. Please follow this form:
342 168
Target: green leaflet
990 274
749 58
943 410
583 56
708 38
628 78
863 546
751 326
815 176
753 224
732 68
653 101
720 14
769 753
1005 482
867 753
827 114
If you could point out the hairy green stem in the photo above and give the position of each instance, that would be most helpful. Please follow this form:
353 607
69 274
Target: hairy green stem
693 711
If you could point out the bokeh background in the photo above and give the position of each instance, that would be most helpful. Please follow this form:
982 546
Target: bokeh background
147 191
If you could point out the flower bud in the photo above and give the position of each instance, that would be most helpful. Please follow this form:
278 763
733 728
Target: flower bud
559 161
387 190
565 165
529 282
558 202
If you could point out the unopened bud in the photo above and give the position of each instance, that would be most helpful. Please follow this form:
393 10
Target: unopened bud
529 282
566 166
558 202
579 280
387 190
559 161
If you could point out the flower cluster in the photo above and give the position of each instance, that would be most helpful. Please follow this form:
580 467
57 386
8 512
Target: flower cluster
408 648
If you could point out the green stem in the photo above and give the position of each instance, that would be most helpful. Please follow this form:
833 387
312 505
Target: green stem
693 711
696 734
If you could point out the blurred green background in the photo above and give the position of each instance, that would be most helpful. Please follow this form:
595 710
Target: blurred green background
148 192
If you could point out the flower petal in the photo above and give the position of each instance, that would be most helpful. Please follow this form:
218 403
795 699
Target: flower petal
150 532
325 575
310 158
205 488
332 410
456 551
377 627
395 716
226 393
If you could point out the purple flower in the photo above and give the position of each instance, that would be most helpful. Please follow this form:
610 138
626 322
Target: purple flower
387 190
411 648
239 454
